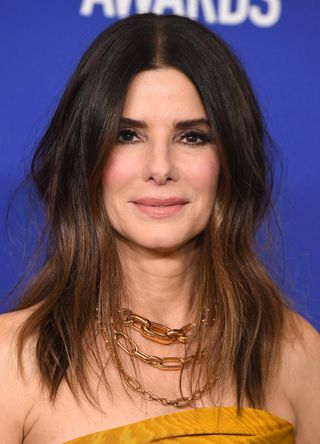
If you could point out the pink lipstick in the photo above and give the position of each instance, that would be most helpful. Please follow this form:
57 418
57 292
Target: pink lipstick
160 207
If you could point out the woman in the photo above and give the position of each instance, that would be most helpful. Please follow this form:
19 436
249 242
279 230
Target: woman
152 317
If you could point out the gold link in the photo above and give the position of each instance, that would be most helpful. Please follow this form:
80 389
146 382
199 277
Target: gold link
132 383
171 363
181 334
174 333
147 358
166 402
148 395
157 333
142 321
183 402
134 345
154 361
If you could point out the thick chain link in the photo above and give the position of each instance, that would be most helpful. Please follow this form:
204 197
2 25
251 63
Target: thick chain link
157 332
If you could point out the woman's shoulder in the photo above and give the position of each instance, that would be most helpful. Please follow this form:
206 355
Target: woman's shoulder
301 348
17 388
10 327
11 324
300 365
301 339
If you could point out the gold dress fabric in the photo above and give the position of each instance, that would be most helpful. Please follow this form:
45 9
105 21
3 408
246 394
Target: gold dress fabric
200 425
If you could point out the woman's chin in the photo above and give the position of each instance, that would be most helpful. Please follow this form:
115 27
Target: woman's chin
160 246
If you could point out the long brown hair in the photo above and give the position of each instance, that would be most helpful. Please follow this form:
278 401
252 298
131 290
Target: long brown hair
82 270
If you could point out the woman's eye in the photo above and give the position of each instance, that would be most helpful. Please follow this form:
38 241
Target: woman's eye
196 138
126 136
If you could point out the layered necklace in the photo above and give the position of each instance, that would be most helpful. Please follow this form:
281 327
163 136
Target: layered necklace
160 334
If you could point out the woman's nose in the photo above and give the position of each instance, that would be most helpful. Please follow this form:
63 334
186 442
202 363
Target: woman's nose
160 163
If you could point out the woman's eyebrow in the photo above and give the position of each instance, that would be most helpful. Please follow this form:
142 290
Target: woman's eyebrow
181 124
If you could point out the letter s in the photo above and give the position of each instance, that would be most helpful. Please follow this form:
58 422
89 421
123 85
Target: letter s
269 18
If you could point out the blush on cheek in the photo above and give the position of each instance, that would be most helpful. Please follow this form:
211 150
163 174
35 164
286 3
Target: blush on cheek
118 171
205 174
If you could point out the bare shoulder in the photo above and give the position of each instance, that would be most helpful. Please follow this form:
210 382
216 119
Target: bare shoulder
10 326
11 321
301 371
16 390
301 341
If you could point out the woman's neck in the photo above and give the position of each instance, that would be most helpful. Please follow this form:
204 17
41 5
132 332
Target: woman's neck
159 284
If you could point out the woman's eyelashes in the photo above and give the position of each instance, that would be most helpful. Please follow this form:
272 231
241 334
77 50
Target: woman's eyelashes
197 137
192 137
125 136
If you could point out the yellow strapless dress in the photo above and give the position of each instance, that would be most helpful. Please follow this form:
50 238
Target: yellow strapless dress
201 425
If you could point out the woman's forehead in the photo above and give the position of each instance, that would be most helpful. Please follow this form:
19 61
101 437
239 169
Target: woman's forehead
166 93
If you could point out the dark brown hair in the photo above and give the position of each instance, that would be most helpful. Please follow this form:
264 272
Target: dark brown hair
82 269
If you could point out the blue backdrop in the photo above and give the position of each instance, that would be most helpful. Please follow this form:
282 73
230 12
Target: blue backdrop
278 42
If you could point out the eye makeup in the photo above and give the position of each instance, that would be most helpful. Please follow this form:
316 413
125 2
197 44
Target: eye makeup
127 135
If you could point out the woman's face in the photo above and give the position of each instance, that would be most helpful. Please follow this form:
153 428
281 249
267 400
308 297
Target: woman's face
160 182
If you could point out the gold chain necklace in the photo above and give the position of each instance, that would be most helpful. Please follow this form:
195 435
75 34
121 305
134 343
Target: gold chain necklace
158 332
134 385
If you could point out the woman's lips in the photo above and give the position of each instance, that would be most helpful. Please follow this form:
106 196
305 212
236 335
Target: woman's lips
160 208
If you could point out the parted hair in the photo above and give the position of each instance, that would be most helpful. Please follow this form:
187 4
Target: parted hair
82 269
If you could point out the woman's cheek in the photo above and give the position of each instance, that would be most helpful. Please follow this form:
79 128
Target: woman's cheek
119 170
204 173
